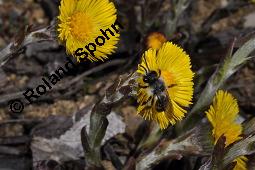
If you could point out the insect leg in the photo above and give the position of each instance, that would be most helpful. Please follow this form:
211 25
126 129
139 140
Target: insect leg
149 99
172 85
144 69
145 61
153 99
159 71
144 87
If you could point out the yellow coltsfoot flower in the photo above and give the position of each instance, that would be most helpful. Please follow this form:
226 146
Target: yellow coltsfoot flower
155 40
165 84
82 21
222 114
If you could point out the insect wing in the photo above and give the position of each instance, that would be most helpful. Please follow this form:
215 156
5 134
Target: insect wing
169 105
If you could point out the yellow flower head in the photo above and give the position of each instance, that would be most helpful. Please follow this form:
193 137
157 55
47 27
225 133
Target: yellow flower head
155 40
222 115
82 21
165 84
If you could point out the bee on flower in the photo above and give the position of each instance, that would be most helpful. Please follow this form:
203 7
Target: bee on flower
165 84
82 23
222 115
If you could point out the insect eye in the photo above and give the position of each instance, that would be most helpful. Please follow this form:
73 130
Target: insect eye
154 73
145 79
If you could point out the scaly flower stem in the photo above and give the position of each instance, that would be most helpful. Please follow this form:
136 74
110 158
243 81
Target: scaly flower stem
119 91
176 149
26 37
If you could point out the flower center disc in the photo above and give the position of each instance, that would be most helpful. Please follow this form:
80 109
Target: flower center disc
168 78
81 26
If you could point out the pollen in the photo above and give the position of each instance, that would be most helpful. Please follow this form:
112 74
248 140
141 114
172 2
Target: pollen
81 26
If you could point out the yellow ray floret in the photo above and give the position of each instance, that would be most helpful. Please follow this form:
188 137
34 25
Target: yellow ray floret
173 66
241 163
80 22
222 114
